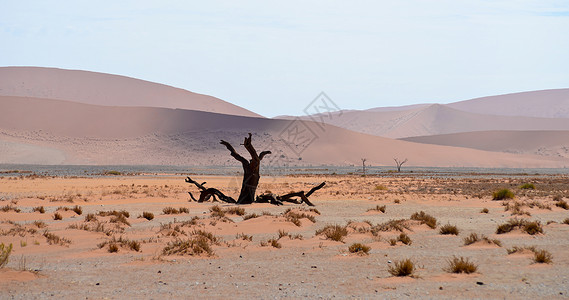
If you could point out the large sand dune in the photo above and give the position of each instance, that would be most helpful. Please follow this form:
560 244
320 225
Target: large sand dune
89 134
435 119
106 89
548 143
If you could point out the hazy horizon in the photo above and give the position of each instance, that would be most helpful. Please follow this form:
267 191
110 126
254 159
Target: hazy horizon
253 54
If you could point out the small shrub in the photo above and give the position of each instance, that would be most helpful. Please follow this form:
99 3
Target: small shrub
359 249
39 209
405 239
402 268
563 204
542 257
119 219
9 207
333 232
243 236
275 243
216 211
113 248
54 239
448 229
503 194
528 186
114 213
239 211
194 246
40 224
471 239
396 201
5 252
460 265
517 249
57 216
77 209
172 211
283 233
148 215
425 219
393 242
398 225
378 208
250 216
484 211
532 228
90 218
112 172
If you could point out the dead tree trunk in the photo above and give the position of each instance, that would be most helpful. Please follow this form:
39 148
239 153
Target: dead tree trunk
399 163
250 170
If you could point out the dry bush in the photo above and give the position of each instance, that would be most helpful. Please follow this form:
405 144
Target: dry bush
484 211
40 224
239 211
542 257
516 249
282 234
405 239
114 243
448 229
119 219
200 243
77 209
114 213
425 219
402 268
90 218
398 225
295 217
172 211
147 215
460 265
359 249
562 203
527 186
57 216
243 236
216 211
39 209
250 216
503 194
53 239
378 208
473 238
393 242
529 227
5 252
334 232
515 208
8 208
274 243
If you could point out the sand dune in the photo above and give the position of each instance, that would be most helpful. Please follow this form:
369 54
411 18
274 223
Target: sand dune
547 143
106 89
89 134
544 104
436 119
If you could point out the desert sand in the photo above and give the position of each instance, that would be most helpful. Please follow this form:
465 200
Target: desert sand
80 263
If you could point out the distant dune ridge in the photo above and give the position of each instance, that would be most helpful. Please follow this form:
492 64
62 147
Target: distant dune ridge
45 124
106 89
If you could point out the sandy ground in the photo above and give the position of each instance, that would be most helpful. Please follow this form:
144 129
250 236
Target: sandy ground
306 265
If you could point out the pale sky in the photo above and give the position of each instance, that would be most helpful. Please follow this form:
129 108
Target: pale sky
275 57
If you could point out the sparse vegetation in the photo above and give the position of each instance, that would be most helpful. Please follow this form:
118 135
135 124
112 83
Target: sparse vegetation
295 217
425 219
473 238
243 236
114 213
503 194
378 208
120 219
5 252
516 249
460 265
200 243
250 216
542 257
39 209
148 215
173 211
405 239
8 208
114 243
53 239
562 203
359 248
398 225
90 218
333 232
527 186
77 209
529 227
57 216
449 229
239 211
402 268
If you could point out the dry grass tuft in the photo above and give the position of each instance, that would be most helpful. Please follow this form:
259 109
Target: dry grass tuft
359 249
114 244
9 207
250 216
120 219
295 217
425 219
529 227
5 252
527 186
147 215
378 208
53 239
77 209
566 221
57 216
503 194
334 232
397 225
239 211
484 211
200 243
460 265
90 218
405 239
172 211
516 249
402 268
243 236
542 257
39 209
562 203
449 229
114 213
473 238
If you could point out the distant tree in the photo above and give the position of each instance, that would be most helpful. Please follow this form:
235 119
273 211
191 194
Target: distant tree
364 165
399 163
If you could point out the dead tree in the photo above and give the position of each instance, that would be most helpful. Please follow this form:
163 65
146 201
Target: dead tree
250 182
364 165
399 163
